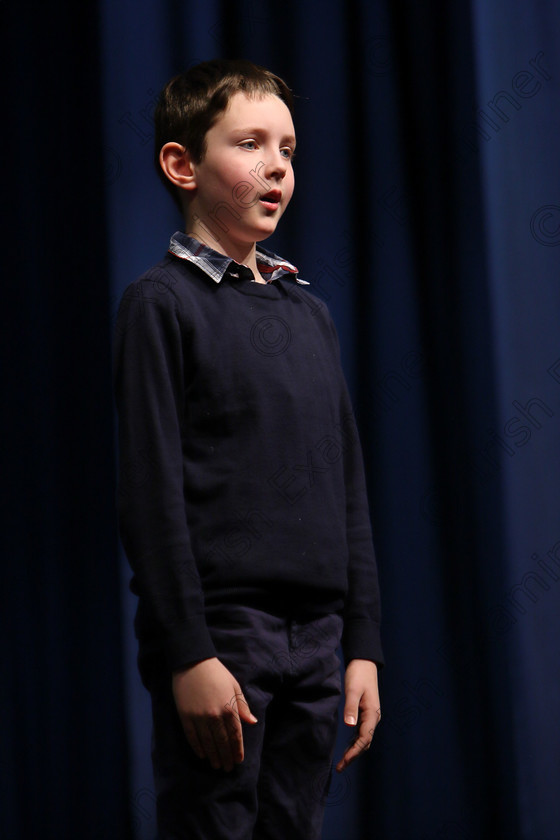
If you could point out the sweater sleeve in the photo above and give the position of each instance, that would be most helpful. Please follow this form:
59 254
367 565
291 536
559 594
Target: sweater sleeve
362 613
149 387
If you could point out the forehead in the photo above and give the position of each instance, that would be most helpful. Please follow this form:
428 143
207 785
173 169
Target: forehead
259 111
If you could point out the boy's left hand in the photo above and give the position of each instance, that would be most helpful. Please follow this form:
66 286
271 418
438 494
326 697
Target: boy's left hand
361 707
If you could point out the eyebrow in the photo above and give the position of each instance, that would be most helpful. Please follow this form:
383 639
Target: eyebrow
288 138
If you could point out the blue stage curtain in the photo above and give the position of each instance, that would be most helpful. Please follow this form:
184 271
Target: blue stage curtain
427 215
63 751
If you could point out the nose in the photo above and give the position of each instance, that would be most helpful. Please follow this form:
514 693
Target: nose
276 166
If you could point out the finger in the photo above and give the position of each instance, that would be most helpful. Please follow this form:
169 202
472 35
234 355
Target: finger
220 734
191 735
368 720
351 707
360 744
239 707
206 738
235 734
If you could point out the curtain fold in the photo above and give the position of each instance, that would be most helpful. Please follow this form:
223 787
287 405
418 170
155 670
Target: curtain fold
63 752
427 216
425 163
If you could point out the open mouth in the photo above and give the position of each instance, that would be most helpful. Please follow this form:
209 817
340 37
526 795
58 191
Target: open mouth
271 199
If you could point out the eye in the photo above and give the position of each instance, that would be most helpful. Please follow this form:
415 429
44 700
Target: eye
288 153
248 144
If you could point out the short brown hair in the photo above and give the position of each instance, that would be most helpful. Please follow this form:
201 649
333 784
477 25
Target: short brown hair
191 102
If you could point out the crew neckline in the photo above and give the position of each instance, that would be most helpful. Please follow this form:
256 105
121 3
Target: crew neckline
271 291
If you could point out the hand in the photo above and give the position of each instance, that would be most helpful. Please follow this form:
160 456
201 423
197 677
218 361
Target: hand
361 707
211 706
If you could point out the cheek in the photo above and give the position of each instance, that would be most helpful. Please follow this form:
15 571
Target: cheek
227 178
223 174
289 187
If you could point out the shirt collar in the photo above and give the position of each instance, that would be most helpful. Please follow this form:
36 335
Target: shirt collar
215 265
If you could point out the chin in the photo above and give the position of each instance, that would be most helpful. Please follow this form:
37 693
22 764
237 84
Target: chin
268 229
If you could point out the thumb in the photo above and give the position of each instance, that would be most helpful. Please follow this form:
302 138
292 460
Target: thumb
351 709
240 708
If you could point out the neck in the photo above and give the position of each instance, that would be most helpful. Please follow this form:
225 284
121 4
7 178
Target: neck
243 253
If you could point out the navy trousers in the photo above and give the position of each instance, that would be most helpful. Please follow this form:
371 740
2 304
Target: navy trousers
289 672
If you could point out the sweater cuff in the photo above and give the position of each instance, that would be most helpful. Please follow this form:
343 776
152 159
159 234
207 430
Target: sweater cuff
361 640
189 645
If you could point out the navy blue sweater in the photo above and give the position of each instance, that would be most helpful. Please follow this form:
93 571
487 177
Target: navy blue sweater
241 475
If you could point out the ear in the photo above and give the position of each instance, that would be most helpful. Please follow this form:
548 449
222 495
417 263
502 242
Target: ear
177 164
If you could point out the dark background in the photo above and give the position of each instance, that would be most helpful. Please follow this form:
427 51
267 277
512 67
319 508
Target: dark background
427 215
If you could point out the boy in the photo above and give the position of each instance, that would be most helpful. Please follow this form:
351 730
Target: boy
242 501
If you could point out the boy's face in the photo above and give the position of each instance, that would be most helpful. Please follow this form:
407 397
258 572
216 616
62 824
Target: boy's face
246 179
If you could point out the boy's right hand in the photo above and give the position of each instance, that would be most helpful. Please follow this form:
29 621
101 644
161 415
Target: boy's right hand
211 706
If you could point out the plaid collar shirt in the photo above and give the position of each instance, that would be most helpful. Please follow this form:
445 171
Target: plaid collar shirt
217 265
